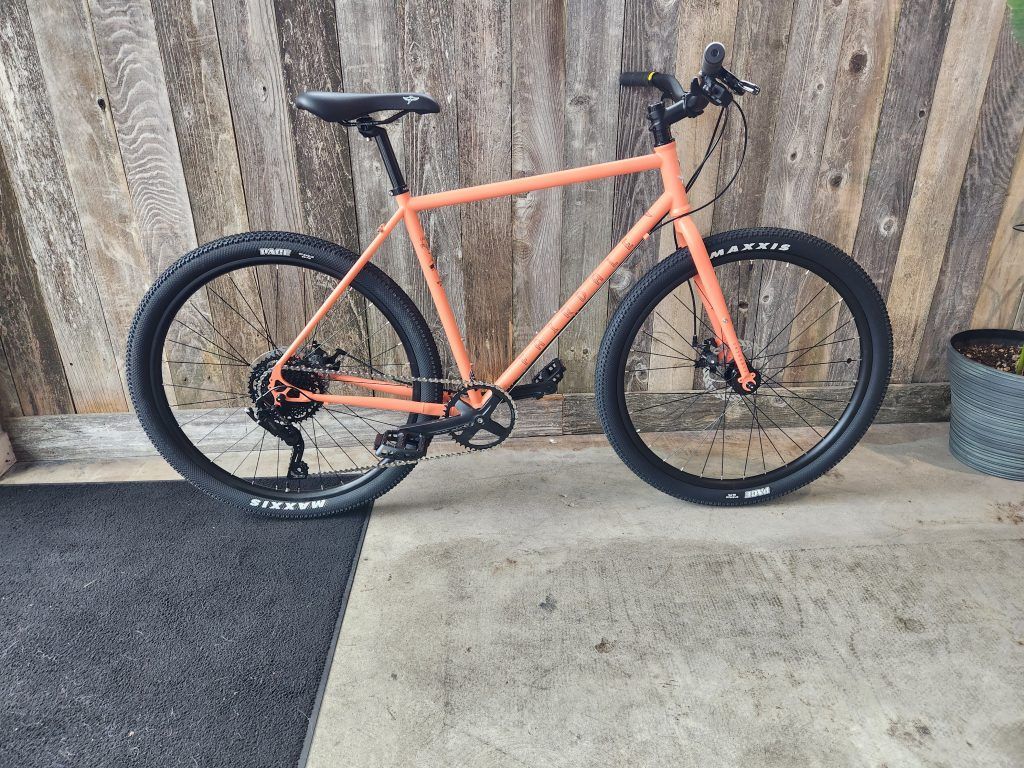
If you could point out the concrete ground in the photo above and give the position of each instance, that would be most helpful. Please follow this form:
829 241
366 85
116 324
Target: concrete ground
540 606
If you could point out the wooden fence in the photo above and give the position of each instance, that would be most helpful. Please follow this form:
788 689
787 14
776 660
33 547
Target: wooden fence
131 130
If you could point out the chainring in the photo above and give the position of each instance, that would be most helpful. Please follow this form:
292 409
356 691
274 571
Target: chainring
492 426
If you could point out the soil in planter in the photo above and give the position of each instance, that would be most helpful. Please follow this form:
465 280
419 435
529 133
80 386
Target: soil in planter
1002 357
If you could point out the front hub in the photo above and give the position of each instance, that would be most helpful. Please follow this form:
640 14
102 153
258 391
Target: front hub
718 369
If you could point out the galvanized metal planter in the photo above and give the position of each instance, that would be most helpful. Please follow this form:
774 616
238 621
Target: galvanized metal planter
986 427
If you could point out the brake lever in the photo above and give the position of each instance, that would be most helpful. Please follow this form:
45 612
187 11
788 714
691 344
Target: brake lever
737 86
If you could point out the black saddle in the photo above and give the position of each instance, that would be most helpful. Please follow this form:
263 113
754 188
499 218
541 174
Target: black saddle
349 107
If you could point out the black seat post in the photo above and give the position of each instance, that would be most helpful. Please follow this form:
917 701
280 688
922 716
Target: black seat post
387 154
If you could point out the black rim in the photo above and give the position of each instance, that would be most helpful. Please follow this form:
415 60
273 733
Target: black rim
328 480
714 451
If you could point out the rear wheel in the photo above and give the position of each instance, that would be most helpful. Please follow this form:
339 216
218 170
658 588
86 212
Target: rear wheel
811 324
206 337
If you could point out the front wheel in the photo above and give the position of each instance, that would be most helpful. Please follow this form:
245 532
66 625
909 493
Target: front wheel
811 324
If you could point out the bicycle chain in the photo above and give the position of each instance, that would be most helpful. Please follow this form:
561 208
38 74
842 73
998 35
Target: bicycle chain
447 383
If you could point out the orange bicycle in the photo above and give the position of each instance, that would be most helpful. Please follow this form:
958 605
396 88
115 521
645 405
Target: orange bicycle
292 376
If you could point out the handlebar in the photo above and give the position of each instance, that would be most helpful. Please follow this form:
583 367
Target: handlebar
714 55
667 84
713 84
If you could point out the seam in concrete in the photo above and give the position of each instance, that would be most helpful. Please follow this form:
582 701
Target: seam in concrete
307 743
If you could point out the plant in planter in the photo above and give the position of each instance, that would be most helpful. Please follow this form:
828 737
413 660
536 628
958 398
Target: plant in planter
986 382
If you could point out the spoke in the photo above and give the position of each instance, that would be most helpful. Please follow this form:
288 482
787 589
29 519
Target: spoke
693 311
263 310
646 332
206 389
351 433
687 358
365 419
725 404
248 454
256 316
710 446
217 331
794 394
217 426
259 455
831 334
805 421
229 355
787 435
214 459
803 349
766 434
319 469
205 412
679 400
211 400
669 326
793 320
340 446
752 334
244 319
195 362
207 352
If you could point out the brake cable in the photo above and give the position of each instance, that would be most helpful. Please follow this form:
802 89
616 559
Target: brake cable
723 190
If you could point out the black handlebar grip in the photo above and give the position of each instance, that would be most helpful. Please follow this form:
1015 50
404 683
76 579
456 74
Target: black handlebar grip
636 79
714 55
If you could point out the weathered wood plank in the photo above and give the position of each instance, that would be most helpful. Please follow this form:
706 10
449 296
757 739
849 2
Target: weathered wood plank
367 35
7 457
9 403
133 71
38 383
649 33
260 107
1001 294
485 126
431 142
970 46
136 84
538 131
43 194
976 217
593 54
864 58
808 87
760 46
190 52
906 109
760 53
80 104
700 23
841 180
311 60
903 403
79 436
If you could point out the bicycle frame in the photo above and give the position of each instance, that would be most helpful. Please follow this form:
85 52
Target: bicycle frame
673 202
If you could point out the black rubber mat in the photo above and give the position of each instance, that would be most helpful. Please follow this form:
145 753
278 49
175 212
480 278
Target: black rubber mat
146 624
